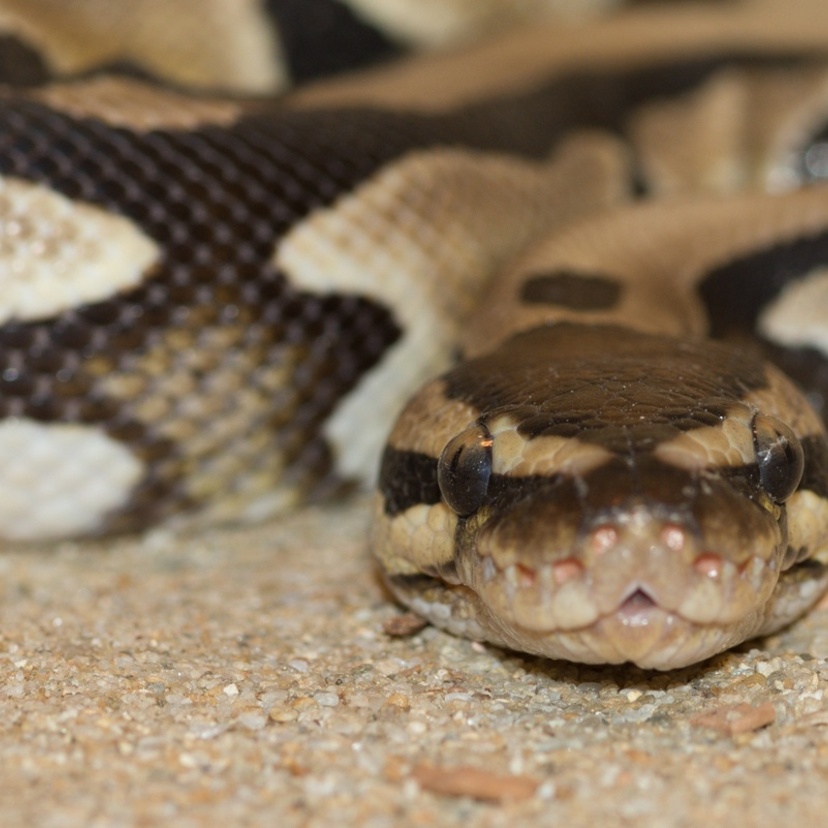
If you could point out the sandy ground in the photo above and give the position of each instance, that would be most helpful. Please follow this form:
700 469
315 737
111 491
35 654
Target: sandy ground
244 677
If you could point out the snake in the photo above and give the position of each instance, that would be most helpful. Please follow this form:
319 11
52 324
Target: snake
599 249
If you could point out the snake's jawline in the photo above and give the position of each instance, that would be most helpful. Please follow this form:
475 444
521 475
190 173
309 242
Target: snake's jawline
461 611
796 592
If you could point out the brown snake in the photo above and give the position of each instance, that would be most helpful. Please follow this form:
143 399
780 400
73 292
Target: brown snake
213 305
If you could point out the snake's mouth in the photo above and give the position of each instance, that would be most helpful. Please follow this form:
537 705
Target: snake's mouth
656 604
638 608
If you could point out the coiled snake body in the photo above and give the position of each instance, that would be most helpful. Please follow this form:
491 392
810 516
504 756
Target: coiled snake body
212 307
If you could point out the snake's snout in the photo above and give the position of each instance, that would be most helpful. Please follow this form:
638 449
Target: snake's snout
632 566
626 586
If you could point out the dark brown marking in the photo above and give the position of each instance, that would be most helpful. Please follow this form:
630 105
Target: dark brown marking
569 289
324 37
406 479
606 384
736 293
20 63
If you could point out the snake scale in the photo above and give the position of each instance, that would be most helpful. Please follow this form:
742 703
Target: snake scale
215 299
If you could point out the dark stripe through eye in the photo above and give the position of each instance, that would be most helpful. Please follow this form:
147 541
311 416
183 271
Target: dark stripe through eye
406 479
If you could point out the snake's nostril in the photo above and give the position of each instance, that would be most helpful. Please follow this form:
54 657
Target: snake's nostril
674 537
709 564
563 571
604 538
525 575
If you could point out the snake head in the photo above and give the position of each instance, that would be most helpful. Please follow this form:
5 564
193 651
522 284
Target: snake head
604 513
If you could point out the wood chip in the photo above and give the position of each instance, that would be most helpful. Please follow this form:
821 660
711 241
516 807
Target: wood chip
474 783
401 626
736 718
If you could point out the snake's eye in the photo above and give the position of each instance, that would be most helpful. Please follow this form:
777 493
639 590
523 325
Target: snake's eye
779 456
464 470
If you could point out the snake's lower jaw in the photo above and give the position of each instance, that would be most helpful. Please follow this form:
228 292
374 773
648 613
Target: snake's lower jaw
652 639
639 632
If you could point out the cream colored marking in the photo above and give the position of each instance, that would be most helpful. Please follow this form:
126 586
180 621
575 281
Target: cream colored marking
131 104
224 44
520 456
808 523
60 480
728 444
524 58
422 238
56 254
422 536
798 317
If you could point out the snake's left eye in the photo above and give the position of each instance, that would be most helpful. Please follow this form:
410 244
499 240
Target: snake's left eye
465 468
779 456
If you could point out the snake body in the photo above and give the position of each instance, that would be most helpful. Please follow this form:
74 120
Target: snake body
214 305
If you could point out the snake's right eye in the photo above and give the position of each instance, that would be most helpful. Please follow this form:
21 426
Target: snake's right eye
779 456
464 470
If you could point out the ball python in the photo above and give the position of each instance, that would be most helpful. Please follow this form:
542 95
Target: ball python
214 305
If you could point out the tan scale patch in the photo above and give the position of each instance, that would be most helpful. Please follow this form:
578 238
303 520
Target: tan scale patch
728 444
417 539
520 456
808 524
697 141
130 104
225 44
211 392
56 254
422 238
430 420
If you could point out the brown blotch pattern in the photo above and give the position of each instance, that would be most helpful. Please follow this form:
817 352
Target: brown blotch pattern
576 291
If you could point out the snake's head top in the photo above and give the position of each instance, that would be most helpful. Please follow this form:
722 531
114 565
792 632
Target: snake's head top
606 496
